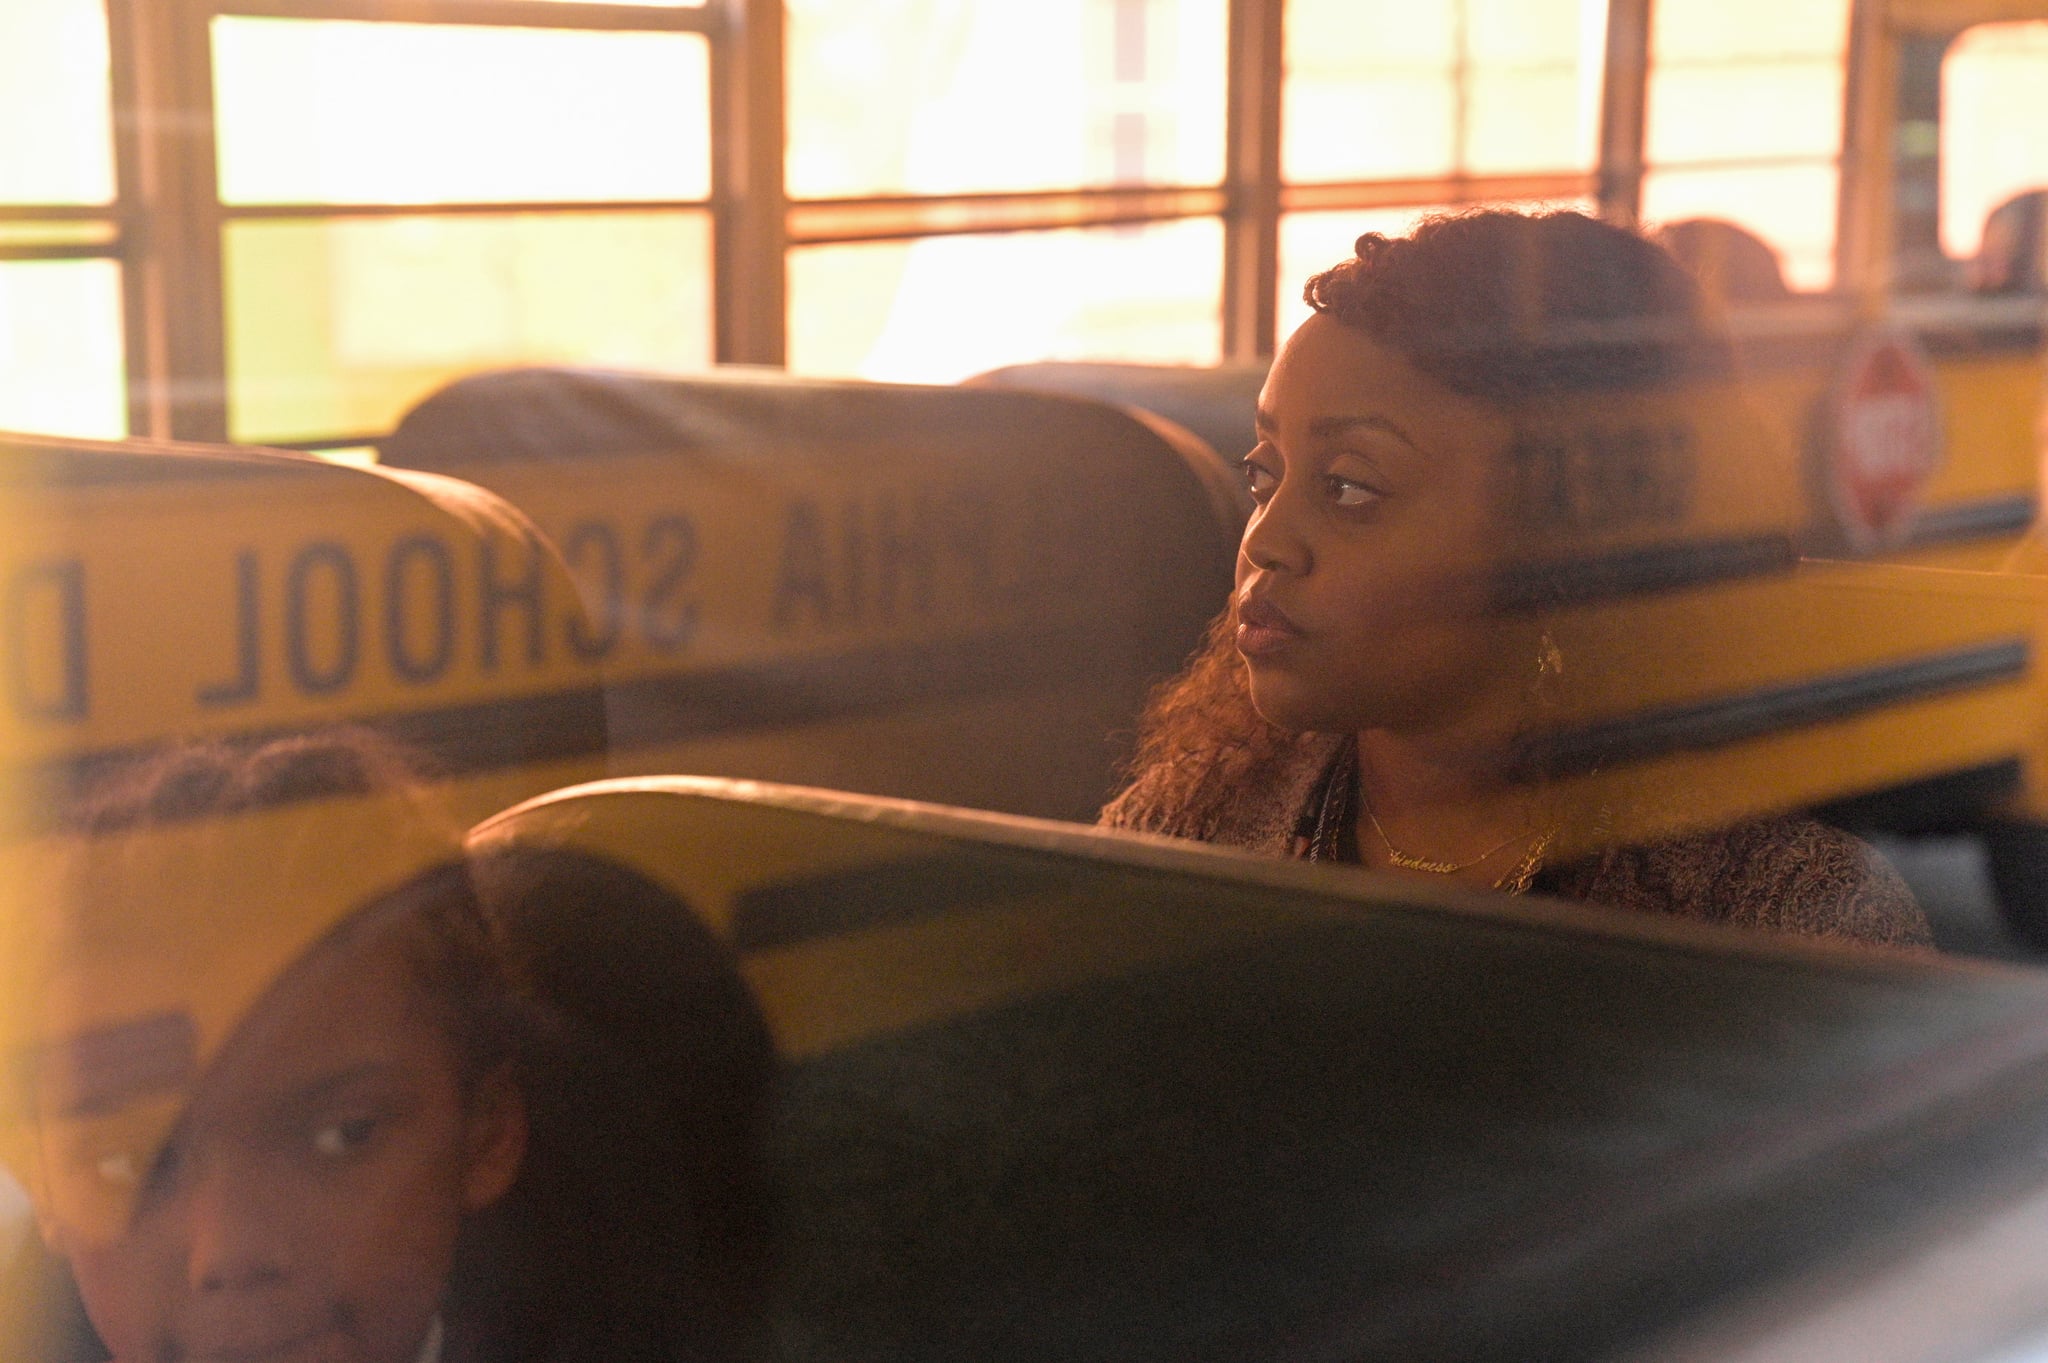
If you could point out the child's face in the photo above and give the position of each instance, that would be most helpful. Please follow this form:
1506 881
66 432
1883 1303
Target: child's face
307 1205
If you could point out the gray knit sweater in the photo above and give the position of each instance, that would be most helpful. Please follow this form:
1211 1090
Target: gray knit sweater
1790 875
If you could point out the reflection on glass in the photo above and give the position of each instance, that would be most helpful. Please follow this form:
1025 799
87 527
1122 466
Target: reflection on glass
1994 102
62 371
56 130
344 112
1312 242
383 310
1728 111
1394 90
938 310
1791 207
1757 82
1753 31
1472 414
293 1086
945 96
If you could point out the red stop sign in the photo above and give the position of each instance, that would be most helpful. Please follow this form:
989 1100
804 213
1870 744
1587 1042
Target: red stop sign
1885 439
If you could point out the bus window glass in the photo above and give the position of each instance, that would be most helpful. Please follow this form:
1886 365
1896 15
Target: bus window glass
1315 241
56 131
1310 242
1994 102
1745 122
383 310
951 96
333 112
1791 207
941 309
1392 90
1745 78
61 366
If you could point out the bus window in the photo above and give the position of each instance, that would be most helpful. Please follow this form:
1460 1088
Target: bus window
945 96
512 234
1390 90
930 98
61 369
1422 109
61 364
1745 122
1993 102
1313 242
893 310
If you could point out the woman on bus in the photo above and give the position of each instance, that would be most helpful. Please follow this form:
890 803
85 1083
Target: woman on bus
1357 699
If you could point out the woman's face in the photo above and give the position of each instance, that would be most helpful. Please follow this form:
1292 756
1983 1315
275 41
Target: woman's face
307 1206
1362 576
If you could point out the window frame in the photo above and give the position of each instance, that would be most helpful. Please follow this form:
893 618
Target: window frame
167 221
172 221
1612 184
109 230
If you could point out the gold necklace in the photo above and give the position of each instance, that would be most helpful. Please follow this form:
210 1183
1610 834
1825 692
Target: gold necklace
1436 868
1320 836
1517 880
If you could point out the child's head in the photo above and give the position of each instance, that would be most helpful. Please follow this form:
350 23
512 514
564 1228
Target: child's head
272 1074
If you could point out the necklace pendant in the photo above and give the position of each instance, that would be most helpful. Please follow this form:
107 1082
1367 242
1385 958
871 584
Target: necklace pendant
1435 868
1518 880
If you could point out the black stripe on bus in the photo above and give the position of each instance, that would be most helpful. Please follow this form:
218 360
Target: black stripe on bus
1641 572
1768 710
587 721
1698 563
1961 339
1963 333
1984 518
449 741
1951 803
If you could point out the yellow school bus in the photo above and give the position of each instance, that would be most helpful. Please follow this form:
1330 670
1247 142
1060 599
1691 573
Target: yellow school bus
154 595
908 590
1827 592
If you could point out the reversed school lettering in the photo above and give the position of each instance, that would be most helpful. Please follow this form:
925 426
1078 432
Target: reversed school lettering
1601 479
247 679
594 555
45 637
637 580
511 591
320 618
419 609
892 555
299 617
668 613
803 582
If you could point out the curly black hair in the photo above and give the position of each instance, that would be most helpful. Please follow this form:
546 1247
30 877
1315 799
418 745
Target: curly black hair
1510 308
